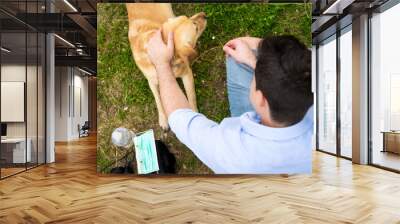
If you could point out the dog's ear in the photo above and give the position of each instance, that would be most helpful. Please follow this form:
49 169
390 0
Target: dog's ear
171 25
188 52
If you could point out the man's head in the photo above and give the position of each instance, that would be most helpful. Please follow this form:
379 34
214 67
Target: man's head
281 88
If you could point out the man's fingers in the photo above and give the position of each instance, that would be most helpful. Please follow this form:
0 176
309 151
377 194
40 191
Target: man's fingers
170 43
229 45
229 51
152 39
158 34
232 43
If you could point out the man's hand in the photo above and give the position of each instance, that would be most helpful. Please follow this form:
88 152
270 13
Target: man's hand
241 52
160 53
253 42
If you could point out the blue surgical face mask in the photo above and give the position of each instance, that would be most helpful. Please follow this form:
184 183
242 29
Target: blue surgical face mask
146 154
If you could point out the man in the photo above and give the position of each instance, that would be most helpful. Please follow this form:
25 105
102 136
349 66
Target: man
275 136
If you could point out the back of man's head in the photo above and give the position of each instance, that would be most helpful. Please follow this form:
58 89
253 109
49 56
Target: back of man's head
283 75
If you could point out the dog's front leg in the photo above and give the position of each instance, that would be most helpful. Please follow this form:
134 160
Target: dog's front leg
188 83
162 118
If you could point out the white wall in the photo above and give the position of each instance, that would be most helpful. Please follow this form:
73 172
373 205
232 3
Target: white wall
33 126
70 81
61 103
16 73
9 73
81 84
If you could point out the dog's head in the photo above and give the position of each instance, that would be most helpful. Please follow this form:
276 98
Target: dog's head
186 33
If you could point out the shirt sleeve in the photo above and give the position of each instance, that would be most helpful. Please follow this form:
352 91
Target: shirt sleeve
198 133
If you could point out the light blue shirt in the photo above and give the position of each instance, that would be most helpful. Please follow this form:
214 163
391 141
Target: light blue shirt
241 145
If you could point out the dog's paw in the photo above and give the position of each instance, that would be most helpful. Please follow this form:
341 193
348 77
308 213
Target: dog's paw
164 135
193 107
164 125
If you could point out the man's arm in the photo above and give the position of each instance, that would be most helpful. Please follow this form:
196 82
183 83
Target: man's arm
191 128
172 97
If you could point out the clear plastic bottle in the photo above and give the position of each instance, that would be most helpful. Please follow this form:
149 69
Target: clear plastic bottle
122 137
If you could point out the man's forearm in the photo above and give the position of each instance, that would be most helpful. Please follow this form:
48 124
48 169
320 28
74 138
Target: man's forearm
172 97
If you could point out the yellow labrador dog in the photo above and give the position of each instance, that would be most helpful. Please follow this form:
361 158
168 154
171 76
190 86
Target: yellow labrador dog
144 20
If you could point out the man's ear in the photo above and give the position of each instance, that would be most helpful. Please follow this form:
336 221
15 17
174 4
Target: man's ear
187 51
260 99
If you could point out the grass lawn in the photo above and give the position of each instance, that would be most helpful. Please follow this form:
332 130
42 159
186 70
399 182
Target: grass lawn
124 98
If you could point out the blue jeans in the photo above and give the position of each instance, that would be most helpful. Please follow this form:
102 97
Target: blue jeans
239 78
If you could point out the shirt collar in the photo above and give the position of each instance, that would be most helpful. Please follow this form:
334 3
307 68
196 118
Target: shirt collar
250 122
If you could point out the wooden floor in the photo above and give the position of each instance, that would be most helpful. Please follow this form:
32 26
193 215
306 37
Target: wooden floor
387 159
10 171
70 191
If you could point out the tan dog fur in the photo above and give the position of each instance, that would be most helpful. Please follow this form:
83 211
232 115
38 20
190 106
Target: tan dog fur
144 20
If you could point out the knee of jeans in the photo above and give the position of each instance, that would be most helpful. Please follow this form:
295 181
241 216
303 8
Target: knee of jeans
232 64
229 61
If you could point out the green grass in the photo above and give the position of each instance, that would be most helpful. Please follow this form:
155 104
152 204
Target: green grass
124 98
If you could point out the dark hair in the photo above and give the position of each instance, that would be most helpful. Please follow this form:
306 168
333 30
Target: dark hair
283 75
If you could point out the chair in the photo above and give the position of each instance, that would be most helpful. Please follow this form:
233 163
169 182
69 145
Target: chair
84 130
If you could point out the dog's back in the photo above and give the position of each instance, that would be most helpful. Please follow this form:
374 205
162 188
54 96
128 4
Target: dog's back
144 19
149 14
